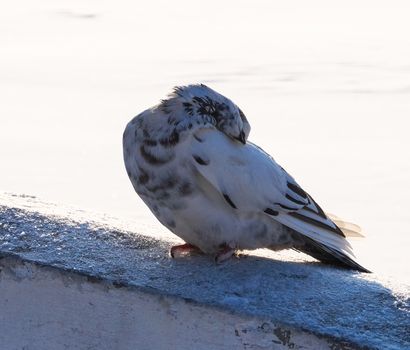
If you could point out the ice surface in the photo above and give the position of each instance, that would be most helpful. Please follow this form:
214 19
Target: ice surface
364 309
325 86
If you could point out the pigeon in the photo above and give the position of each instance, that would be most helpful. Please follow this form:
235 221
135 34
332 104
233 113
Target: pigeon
190 161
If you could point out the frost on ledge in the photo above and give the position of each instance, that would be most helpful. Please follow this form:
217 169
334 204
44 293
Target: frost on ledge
361 309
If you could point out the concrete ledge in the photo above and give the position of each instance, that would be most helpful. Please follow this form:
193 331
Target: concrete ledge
70 283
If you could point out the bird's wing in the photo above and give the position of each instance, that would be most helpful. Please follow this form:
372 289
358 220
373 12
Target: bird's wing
250 180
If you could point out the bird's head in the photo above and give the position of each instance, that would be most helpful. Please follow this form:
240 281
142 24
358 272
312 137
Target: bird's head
203 101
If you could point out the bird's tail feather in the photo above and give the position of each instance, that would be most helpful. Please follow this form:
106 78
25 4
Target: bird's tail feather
349 229
321 243
327 254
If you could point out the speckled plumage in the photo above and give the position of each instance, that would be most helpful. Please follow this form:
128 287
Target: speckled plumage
189 160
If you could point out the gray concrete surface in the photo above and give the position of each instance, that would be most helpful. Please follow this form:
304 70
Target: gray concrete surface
70 281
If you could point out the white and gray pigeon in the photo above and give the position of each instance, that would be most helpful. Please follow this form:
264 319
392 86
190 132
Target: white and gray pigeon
189 160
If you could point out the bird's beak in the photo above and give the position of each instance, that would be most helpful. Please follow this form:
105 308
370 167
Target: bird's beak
241 138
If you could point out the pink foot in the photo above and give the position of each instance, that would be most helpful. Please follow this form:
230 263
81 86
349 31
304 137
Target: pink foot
183 249
225 253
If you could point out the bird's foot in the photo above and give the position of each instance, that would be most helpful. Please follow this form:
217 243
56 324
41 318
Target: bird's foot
183 249
226 251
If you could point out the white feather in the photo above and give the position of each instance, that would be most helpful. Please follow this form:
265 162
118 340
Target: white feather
254 182
189 161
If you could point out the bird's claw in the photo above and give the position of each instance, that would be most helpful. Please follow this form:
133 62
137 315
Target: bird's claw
183 249
226 252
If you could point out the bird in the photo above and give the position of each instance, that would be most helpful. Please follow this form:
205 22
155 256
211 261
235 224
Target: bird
190 161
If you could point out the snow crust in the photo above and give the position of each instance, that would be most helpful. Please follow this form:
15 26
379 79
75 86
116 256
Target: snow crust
363 309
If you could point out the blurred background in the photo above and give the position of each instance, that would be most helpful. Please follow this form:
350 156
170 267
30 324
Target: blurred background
324 84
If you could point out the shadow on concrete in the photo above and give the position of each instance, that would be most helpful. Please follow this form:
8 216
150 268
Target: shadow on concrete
361 308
